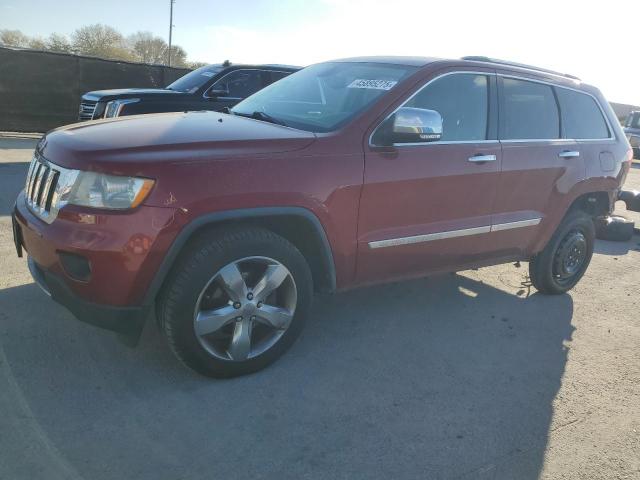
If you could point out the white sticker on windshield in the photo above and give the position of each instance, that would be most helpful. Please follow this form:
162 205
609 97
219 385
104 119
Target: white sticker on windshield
374 84
207 74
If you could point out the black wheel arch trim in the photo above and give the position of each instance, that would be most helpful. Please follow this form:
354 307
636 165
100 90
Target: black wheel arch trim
241 214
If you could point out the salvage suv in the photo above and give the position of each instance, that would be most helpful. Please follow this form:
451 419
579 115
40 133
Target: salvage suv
346 173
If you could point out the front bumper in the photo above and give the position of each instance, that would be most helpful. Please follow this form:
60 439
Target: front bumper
126 321
123 252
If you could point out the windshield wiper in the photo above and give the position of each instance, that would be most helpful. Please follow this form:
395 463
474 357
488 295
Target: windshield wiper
260 115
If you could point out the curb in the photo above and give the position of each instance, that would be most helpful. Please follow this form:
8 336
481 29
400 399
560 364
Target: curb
21 135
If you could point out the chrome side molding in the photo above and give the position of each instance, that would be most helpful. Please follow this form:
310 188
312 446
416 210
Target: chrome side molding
430 237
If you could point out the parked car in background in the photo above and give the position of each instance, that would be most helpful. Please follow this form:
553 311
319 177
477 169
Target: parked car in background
212 87
344 174
632 130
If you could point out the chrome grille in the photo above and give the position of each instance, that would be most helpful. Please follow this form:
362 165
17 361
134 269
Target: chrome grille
87 109
41 187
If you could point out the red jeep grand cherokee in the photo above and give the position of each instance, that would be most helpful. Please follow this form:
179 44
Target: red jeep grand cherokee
345 173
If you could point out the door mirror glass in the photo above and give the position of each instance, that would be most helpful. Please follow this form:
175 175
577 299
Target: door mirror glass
216 92
416 125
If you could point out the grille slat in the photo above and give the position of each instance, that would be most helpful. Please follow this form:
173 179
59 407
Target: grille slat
51 188
36 186
87 109
27 186
34 181
46 186
41 186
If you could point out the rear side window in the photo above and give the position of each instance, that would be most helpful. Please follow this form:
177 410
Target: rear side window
529 111
581 117
462 100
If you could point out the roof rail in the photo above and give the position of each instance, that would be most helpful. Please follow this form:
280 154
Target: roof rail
479 58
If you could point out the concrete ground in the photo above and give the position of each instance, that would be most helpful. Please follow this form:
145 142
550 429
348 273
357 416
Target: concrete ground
465 376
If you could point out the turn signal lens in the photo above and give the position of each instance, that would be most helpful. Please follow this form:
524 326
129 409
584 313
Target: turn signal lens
146 187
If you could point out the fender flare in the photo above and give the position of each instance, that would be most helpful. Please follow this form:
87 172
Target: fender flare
241 214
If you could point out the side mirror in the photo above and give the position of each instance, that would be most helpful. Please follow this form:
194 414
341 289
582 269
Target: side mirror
416 125
216 92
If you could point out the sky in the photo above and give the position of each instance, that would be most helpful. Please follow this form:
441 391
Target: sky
597 41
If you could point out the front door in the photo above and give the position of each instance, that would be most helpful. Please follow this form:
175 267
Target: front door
427 207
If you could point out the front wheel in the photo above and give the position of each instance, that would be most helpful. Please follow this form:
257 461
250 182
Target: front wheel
236 302
562 263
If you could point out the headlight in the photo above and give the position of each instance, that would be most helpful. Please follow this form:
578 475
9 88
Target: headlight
99 190
114 107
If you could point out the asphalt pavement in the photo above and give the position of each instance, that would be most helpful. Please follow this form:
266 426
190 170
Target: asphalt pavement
462 376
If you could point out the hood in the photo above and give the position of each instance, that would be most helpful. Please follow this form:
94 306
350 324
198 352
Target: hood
105 95
166 137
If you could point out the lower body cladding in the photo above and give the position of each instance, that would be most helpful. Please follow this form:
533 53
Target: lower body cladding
97 266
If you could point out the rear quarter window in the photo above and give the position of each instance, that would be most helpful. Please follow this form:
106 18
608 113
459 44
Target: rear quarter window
581 117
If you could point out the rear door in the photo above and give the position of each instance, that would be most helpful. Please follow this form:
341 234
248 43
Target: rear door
538 165
584 121
427 207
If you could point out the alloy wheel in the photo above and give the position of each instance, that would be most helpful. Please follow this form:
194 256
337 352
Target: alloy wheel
245 308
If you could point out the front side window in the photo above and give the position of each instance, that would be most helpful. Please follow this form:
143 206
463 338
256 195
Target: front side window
193 81
323 97
462 100
529 111
581 116
238 84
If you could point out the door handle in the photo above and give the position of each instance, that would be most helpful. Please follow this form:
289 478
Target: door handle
569 154
482 158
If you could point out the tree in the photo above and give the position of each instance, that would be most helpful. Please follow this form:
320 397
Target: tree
147 48
37 43
101 41
178 57
13 38
59 43
194 65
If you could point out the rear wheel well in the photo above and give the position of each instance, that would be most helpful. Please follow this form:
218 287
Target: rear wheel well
595 204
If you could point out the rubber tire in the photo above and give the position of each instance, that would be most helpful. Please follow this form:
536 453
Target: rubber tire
197 265
614 228
541 265
631 199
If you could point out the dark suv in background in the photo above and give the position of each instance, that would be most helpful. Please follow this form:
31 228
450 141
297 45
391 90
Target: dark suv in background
632 130
344 174
212 87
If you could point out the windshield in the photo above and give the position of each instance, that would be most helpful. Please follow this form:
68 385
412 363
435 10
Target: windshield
192 81
323 97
